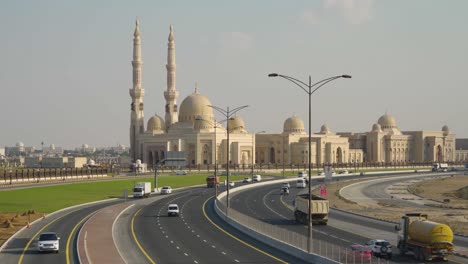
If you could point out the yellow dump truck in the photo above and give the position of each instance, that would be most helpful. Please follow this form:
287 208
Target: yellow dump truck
427 240
319 210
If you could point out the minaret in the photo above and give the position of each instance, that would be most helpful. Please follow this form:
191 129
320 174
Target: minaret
136 93
171 93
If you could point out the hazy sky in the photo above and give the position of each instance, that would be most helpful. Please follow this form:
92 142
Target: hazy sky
66 70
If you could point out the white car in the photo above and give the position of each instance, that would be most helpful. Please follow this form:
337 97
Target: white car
173 210
380 248
257 178
247 180
286 184
343 172
181 172
166 190
48 241
232 184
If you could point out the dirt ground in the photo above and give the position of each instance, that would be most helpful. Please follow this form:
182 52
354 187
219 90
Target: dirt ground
453 188
12 222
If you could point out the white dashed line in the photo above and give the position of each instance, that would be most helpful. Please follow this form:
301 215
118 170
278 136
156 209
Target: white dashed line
178 247
172 242
204 240
186 254
224 253
236 261
213 246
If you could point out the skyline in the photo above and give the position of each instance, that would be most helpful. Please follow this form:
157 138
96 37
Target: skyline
68 67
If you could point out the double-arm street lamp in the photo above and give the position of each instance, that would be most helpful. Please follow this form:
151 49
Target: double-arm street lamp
228 114
253 151
309 89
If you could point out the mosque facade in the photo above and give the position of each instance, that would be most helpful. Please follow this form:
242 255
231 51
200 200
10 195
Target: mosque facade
192 131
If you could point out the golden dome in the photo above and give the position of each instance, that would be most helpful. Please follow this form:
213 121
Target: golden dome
236 124
155 123
293 124
387 121
195 106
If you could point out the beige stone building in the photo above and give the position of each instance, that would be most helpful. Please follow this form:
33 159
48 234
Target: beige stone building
192 132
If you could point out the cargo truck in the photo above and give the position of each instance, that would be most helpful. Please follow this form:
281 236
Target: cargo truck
141 189
319 210
440 167
425 239
211 181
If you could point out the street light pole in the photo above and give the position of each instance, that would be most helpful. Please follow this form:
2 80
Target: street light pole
308 89
253 151
228 114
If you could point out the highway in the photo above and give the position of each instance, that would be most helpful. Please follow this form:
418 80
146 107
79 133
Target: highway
266 204
66 224
196 236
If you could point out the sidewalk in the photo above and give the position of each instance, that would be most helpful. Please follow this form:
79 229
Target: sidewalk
95 241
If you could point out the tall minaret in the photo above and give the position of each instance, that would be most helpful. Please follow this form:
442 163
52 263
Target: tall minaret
171 93
136 93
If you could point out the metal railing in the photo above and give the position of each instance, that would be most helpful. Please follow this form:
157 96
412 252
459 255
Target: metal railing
320 247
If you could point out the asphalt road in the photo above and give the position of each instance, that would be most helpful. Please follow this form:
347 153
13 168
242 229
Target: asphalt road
266 204
197 235
22 249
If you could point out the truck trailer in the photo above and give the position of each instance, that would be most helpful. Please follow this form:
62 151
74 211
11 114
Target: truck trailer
425 239
141 189
319 210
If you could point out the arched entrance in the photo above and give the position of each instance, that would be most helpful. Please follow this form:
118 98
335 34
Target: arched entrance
206 154
272 155
439 156
339 155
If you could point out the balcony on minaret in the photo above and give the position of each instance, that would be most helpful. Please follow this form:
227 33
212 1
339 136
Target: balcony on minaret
137 93
171 95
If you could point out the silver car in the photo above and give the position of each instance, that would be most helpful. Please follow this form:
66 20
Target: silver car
48 241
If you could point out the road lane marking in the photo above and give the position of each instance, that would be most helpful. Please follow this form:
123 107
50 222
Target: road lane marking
38 232
67 250
136 240
236 238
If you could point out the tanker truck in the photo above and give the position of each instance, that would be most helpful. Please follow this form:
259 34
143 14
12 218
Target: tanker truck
319 209
425 239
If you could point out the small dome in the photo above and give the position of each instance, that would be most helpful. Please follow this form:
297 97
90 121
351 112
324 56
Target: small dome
324 129
195 106
236 124
446 130
155 123
293 125
376 128
85 146
387 121
20 144
91 162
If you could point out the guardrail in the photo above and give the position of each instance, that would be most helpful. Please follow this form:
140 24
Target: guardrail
285 240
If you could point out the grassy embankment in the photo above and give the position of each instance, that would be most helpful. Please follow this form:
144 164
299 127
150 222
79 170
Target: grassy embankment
17 207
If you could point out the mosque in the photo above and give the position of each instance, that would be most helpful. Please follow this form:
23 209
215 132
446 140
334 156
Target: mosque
193 133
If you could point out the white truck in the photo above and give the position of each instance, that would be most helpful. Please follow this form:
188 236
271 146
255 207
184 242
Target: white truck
440 167
141 189
319 210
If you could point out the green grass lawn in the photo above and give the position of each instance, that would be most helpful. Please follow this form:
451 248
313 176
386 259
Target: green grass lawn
52 198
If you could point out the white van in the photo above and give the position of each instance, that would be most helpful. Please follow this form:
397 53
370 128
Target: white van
302 174
301 183
257 178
